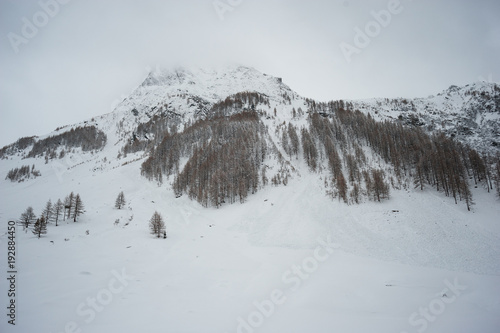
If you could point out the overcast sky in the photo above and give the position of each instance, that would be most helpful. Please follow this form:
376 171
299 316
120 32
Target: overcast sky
65 63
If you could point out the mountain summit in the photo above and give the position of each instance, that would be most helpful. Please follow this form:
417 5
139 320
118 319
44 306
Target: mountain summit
215 84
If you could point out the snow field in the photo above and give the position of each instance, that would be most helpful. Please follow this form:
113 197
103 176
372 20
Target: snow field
216 264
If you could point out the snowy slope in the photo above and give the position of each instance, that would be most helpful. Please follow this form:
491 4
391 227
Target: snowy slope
219 269
216 263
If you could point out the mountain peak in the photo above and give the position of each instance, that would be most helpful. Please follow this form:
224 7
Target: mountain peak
214 83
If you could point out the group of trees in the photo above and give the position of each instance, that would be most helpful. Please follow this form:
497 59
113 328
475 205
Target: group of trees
243 101
433 160
19 145
87 138
225 156
164 123
149 134
407 152
326 142
401 154
228 166
71 208
290 140
22 173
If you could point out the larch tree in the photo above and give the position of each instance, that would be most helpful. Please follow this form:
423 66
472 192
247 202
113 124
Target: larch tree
294 140
48 211
57 210
380 187
78 208
69 202
341 187
157 226
120 200
40 227
27 217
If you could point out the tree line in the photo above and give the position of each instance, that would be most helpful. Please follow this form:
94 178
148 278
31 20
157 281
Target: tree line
22 173
16 147
87 138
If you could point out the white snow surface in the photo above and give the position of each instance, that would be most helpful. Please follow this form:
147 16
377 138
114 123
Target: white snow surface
389 267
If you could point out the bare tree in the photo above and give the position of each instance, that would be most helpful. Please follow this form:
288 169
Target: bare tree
27 217
58 209
78 207
120 200
341 187
294 139
355 193
380 187
157 226
69 201
48 211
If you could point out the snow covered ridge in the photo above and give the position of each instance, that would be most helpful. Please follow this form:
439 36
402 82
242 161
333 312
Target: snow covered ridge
88 138
471 113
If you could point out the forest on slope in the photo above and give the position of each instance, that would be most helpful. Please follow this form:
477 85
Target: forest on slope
224 157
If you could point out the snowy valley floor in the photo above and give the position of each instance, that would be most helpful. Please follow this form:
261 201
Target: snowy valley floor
415 263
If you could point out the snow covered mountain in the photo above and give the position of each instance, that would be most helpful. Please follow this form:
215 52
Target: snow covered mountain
190 93
347 224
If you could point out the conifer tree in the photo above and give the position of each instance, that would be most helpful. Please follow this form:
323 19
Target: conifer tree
48 211
157 226
27 217
69 201
120 200
78 208
58 209
40 227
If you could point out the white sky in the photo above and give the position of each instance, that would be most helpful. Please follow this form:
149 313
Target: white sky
92 52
